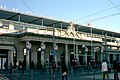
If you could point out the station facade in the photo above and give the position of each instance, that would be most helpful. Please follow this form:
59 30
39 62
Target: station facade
29 38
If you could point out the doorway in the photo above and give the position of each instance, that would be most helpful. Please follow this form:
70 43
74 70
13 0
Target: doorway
3 58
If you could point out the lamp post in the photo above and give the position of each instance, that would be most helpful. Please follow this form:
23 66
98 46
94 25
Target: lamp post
53 43
102 53
94 52
106 47
55 51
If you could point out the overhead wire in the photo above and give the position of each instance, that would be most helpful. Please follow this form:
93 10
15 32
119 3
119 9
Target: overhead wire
114 5
96 19
96 13
27 6
103 17
90 14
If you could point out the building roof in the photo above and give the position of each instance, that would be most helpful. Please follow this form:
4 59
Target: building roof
26 18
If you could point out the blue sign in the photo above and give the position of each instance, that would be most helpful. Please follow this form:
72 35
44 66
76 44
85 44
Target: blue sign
53 52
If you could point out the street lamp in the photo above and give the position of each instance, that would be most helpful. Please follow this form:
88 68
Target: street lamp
55 52
25 51
102 53
94 52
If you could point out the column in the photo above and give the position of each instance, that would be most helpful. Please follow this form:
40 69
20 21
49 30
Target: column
66 54
86 58
101 57
86 51
42 53
28 59
108 58
56 52
42 58
77 57
10 57
28 54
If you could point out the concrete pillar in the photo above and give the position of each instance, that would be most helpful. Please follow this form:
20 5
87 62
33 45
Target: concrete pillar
86 58
42 59
66 54
108 56
86 51
28 59
10 57
42 54
101 57
28 54
77 57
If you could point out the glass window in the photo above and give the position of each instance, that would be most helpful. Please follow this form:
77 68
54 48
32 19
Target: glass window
18 26
6 24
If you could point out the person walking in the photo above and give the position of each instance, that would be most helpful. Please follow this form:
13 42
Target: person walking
53 69
64 72
11 68
23 66
6 66
105 69
116 68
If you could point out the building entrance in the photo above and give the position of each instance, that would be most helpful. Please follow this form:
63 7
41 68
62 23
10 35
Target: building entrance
3 58
39 60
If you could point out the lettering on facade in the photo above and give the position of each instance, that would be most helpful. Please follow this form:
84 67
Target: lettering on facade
69 33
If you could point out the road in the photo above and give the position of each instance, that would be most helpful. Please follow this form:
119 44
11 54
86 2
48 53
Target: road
46 75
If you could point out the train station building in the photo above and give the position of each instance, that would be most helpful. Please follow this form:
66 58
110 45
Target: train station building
25 37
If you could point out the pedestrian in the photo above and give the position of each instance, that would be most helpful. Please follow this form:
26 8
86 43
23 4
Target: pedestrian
23 66
20 65
5 66
53 69
105 70
64 71
11 68
116 68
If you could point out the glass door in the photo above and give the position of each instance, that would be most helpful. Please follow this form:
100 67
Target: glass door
2 61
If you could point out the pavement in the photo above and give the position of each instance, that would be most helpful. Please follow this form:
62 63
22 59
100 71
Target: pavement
46 75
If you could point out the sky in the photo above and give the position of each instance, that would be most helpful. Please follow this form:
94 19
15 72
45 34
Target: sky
103 14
